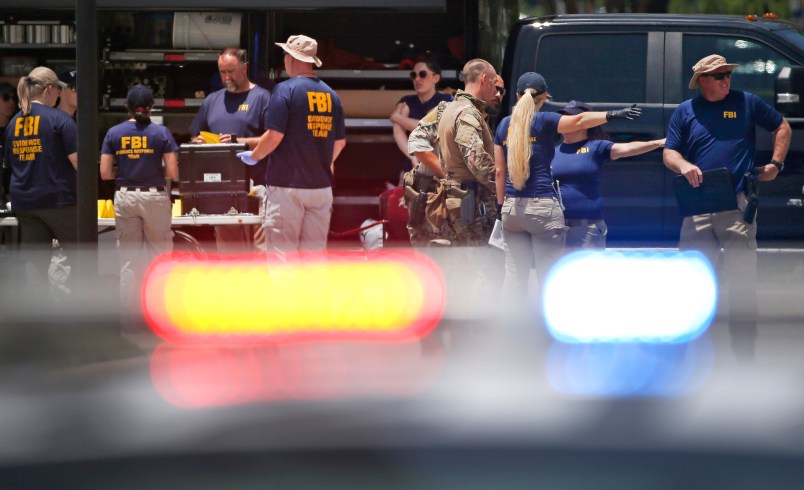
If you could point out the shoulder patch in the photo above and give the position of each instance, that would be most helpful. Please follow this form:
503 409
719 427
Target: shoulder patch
471 119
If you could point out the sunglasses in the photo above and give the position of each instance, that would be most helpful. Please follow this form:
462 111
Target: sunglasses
500 90
7 97
718 76
421 74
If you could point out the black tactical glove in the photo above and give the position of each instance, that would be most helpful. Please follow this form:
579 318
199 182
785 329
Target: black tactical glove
629 113
499 211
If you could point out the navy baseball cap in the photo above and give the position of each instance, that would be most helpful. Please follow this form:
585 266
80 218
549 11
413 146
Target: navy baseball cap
531 80
69 78
575 107
139 98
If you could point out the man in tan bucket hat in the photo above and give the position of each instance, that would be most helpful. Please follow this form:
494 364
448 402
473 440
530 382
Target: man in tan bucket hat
306 132
302 48
708 65
717 130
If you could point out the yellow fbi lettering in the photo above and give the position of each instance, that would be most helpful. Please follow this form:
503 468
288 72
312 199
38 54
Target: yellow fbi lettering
134 142
582 150
134 146
320 102
729 115
26 150
27 126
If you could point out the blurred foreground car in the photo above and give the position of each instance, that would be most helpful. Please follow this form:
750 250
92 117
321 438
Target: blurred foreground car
492 401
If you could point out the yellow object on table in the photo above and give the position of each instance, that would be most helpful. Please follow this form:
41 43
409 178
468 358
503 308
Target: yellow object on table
210 137
176 210
105 208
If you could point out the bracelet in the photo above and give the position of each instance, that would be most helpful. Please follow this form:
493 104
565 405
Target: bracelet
778 165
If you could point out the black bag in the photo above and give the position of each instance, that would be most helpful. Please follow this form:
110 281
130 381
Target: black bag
715 194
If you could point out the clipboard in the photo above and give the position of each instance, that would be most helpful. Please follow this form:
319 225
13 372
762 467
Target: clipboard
715 194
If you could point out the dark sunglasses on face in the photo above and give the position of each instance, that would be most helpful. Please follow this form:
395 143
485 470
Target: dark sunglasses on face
421 73
718 76
7 97
500 90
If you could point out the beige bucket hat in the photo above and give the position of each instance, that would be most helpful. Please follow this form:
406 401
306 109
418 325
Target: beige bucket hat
302 48
708 64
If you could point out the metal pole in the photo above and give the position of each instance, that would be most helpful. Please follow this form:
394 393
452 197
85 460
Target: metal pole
86 48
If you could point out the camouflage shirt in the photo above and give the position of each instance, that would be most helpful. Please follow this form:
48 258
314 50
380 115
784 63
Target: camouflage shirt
425 137
465 141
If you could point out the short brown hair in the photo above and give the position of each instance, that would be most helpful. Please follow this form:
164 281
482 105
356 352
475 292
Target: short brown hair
473 69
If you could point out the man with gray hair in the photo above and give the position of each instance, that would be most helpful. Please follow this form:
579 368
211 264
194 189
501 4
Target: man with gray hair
306 132
716 130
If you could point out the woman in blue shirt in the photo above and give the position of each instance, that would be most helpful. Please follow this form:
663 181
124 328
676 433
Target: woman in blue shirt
142 207
532 220
577 167
41 150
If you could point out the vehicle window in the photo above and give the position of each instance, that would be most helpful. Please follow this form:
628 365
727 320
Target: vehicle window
594 67
759 64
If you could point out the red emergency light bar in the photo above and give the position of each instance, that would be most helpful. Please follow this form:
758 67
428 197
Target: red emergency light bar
338 295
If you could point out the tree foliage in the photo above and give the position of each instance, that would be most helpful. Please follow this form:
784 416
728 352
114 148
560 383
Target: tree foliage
739 7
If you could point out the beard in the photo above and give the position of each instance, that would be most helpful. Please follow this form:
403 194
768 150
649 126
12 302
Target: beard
492 109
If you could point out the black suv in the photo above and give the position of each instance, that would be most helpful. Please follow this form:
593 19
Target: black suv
612 60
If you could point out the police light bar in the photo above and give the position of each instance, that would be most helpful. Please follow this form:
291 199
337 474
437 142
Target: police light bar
338 295
631 296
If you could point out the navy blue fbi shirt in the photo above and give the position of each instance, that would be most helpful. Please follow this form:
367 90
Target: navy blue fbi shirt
36 148
721 134
138 149
419 109
244 114
309 113
543 134
577 167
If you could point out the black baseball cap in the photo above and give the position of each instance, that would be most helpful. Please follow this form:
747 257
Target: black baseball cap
574 107
7 87
139 98
69 78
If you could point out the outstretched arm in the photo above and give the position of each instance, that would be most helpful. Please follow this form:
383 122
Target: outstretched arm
622 150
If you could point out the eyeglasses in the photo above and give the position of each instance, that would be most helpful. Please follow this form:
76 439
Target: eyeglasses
718 76
421 74
500 90
7 97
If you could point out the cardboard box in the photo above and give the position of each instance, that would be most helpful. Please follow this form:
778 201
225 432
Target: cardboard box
370 103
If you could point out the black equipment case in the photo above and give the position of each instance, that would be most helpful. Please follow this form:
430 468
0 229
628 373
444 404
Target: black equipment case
213 180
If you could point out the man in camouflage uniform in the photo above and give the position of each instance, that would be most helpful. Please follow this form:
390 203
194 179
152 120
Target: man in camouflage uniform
423 144
466 146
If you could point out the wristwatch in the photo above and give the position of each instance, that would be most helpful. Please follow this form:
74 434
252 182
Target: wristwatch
779 165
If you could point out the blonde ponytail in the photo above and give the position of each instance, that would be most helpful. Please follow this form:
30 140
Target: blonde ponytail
519 146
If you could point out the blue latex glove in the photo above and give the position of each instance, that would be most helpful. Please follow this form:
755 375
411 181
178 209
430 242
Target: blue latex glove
246 157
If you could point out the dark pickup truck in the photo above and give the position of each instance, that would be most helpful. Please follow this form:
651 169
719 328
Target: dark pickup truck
612 60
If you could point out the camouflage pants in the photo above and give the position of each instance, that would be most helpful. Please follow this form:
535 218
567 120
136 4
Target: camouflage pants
476 232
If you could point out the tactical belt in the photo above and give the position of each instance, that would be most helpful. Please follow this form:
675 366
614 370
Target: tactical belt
424 183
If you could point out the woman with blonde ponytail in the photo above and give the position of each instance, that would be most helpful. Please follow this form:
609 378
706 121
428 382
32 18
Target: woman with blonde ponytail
41 149
528 204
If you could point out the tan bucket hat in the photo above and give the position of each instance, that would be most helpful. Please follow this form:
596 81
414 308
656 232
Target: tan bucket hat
708 64
302 48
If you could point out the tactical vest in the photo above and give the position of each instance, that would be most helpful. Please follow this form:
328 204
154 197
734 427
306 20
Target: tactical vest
462 107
